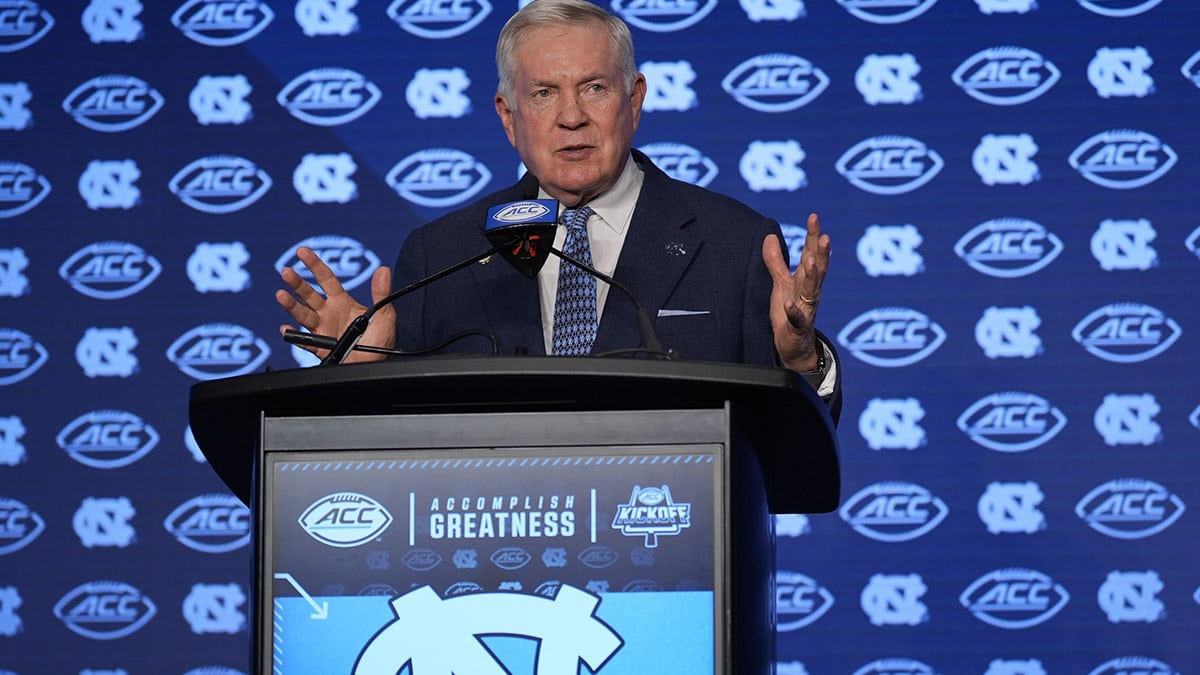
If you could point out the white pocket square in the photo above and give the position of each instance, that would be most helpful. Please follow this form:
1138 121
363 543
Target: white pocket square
682 312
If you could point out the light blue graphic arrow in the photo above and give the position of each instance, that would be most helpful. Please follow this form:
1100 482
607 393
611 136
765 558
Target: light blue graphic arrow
320 612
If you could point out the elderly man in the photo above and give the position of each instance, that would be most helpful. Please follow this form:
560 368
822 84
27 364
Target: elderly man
711 269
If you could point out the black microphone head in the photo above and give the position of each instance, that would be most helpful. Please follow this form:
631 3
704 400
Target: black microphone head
523 232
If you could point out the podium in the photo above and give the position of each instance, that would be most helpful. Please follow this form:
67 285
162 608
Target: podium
491 515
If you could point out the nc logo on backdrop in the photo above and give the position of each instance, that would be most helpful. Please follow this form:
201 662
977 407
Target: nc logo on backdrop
1014 598
682 162
217 350
668 86
895 600
1122 159
1011 421
887 11
221 23
325 179
1132 596
1128 419
220 184
1007 508
1130 508
104 610
896 667
1015 667
1006 75
14 115
345 519
1121 72
889 165
19 525
1133 664
891 424
773 10
774 83
107 352
110 184
12 451
663 16
799 600
352 262
221 99
773 165
329 97
1006 159
438 20
20 356
1007 248
213 523
104 521
1006 7
1126 332
112 20
1119 8
112 103
888 79
21 188
13 283
438 177
1125 245
217 267
10 621
22 23
107 439
891 337
438 92
326 17
891 250
1008 332
893 511
213 609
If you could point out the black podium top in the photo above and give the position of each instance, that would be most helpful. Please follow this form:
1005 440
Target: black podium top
781 415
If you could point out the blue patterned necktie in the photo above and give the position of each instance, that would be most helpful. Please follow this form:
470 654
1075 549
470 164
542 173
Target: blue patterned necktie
575 316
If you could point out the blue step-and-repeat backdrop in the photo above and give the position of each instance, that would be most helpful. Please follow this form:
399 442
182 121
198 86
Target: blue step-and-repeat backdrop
1011 186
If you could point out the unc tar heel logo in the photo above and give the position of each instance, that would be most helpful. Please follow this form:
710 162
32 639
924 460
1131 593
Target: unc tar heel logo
14 115
12 451
773 10
1124 245
438 92
113 20
325 179
1006 159
1012 507
888 78
13 282
1008 332
213 608
218 267
345 519
1128 419
436 636
889 250
652 513
668 86
1132 597
107 352
773 165
110 184
221 99
104 521
1121 72
895 600
888 424
326 17
221 23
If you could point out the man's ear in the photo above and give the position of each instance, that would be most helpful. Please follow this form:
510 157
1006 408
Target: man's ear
636 97
505 113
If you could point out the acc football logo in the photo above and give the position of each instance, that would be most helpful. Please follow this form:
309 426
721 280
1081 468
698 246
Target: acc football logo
891 424
113 21
893 511
216 350
1011 421
438 177
1126 332
1130 508
221 99
1122 159
325 178
888 78
104 521
21 187
218 267
107 270
220 184
775 83
19 525
221 23
352 262
895 600
682 162
14 115
887 11
1121 72
1119 8
438 92
1007 248
663 16
437 21
1006 159
110 184
1006 75
1133 664
652 513
773 165
20 356
326 17
599 557
22 23
887 250
1124 245
799 600
107 439
215 523
1128 419
891 337
328 97
423 559
1014 598
668 86
889 165
896 667
511 558
104 610
345 519
112 103
1012 507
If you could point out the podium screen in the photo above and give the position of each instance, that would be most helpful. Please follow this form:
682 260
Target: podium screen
410 562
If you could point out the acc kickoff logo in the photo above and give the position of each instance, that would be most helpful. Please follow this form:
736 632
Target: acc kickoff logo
215 523
107 439
1130 508
438 177
1126 332
438 21
887 11
217 350
329 97
108 270
1014 598
345 519
1011 421
652 513
19 525
21 188
220 184
352 262
1006 75
893 511
775 83
104 610
1008 248
20 356
112 103
892 337
663 16
22 23
1122 159
682 162
889 165
221 23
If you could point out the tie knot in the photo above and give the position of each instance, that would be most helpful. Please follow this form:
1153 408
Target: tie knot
577 218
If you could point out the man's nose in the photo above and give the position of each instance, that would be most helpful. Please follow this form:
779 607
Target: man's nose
572 113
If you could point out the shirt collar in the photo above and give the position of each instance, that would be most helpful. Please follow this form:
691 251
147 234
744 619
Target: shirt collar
615 206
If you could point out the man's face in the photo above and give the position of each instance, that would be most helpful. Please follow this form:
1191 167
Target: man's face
571 119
